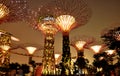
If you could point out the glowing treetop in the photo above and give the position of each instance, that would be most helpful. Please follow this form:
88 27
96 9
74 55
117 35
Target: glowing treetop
73 13
65 22
47 25
3 11
110 52
43 19
82 42
96 48
12 10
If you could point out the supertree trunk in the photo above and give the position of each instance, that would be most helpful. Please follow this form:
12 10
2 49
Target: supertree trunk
48 58
80 53
66 56
81 61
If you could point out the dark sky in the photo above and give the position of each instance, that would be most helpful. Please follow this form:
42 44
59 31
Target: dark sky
104 14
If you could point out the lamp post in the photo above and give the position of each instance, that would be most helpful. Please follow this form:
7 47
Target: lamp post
31 50
57 58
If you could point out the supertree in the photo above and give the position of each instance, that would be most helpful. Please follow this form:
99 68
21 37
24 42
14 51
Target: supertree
100 58
47 27
80 43
5 42
12 10
74 13
6 39
44 20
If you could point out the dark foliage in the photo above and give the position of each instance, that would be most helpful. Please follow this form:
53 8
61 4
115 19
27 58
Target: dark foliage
14 66
109 38
25 68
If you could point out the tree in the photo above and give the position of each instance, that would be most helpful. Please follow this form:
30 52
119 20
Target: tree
112 39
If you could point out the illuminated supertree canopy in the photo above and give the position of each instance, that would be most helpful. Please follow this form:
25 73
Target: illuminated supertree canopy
69 14
81 42
46 12
47 25
74 13
12 10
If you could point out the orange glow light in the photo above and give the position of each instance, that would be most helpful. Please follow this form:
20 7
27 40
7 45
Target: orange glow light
47 25
80 44
96 48
31 49
110 51
65 22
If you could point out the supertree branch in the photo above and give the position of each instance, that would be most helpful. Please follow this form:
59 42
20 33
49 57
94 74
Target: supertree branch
81 42
77 8
12 10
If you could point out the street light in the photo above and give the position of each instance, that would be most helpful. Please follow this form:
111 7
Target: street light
31 50
57 68
57 58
